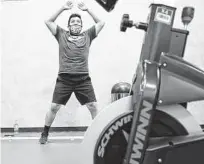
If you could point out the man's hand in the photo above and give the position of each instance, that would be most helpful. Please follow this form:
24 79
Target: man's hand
82 6
68 5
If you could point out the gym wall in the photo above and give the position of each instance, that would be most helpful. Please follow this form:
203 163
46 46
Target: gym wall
30 57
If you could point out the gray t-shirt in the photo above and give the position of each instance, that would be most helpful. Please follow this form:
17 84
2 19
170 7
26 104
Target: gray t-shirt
73 53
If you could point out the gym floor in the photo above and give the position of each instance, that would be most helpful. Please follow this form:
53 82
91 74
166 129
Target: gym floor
62 148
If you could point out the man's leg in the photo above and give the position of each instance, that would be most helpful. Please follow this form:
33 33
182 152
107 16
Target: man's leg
92 106
84 92
50 116
61 95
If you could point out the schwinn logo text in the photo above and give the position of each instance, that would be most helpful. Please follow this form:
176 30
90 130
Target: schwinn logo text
138 144
110 132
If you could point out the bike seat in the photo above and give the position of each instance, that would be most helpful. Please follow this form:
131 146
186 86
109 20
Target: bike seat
180 80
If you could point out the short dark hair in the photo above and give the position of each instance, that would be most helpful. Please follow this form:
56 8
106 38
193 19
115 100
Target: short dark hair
74 15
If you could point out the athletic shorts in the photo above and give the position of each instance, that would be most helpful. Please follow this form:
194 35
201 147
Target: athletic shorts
80 84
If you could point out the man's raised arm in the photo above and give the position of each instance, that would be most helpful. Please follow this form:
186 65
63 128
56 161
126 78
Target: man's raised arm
52 26
99 24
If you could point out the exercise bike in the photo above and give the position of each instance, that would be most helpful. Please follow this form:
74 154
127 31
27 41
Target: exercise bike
152 125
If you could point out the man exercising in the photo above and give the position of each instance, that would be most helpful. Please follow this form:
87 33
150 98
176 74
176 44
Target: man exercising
73 75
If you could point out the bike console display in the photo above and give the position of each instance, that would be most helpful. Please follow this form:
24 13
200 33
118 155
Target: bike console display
108 5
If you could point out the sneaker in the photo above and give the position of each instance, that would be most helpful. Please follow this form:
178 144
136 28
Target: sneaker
43 138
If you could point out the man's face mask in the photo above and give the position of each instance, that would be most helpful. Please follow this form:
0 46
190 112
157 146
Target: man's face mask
75 26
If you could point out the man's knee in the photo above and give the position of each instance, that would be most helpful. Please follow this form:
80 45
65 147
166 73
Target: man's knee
93 108
92 105
55 107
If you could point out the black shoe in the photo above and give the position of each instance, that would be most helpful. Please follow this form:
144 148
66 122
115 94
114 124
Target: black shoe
43 138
